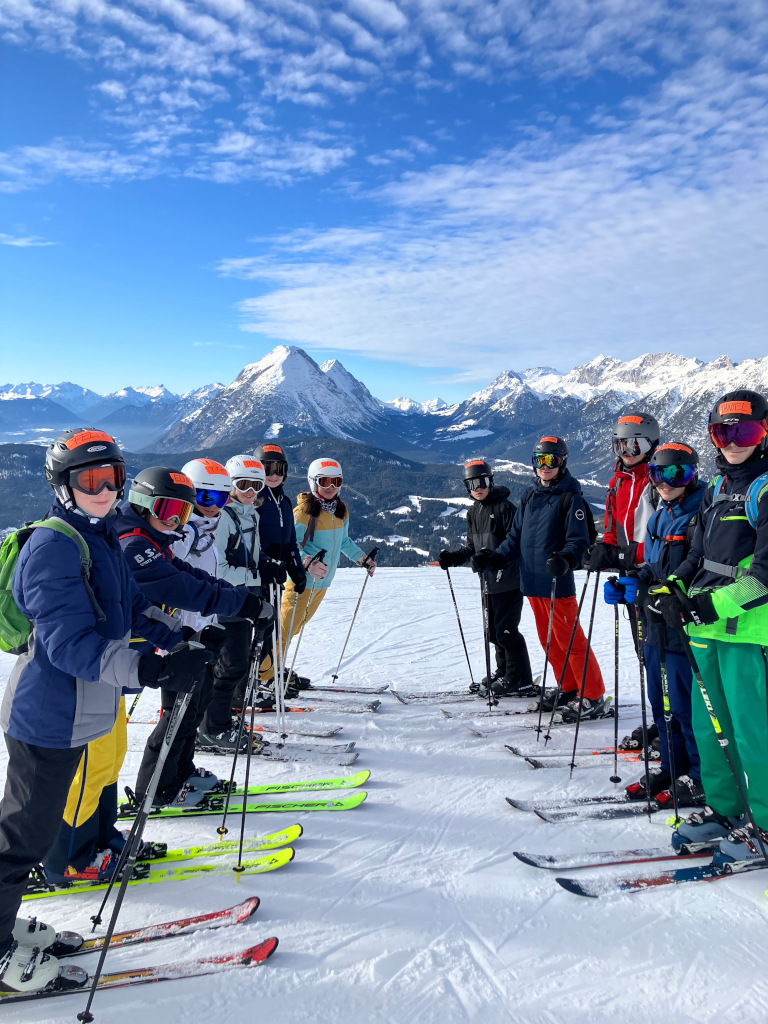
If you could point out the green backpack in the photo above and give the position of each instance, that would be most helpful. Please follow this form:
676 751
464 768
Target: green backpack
15 627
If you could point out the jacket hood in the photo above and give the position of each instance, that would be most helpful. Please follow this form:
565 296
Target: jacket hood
565 482
743 475
495 494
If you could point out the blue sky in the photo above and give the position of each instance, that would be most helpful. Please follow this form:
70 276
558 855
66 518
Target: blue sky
430 190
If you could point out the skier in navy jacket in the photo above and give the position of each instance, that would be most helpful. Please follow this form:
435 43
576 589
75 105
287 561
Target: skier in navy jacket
65 691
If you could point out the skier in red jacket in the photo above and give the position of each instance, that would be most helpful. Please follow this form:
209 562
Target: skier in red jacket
629 502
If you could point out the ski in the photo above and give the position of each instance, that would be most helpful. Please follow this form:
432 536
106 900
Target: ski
238 914
675 876
317 733
328 704
164 972
446 697
346 689
219 849
215 805
608 812
284 754
258 865
541 755
563 760
534 806
610 858
342 747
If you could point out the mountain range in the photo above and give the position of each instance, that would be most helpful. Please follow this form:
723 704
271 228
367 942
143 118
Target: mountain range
287 394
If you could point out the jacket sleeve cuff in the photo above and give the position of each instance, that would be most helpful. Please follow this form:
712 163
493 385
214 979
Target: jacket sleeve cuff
724 605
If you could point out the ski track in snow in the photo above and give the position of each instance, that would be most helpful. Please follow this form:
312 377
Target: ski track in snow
412 909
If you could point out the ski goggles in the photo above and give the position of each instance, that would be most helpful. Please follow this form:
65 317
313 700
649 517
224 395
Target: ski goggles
329 481
477 482
631 446
275 468
208 498
93 479
248 485
672 476
547 460
171 511
746 434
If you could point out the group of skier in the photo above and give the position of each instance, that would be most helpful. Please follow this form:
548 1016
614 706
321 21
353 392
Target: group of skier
167 590
690 564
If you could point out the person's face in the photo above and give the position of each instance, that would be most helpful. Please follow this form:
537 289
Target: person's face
207 511
274 480
669 493
95 505
479 493
547 473
161 527
735 455
632 460
244 497
328 493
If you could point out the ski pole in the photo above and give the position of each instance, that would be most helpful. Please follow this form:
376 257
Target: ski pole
132 708
584 671
615 778
239 867
722 739
546 654
461 631
133 847
253 673
277 667
487 638
567 656
370 556
317 558
661 636
636 626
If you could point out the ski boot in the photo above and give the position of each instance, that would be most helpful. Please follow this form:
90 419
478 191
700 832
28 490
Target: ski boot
552 699
27 969
299 682
634 741
28 931
585 709
740 847
202 779
101 869
148 850
225 742
657 781
690 793
481 688
654 750
703 829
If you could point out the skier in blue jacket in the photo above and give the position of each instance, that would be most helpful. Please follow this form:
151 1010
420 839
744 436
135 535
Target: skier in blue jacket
65 690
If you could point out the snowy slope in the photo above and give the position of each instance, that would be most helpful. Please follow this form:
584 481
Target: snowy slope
412 909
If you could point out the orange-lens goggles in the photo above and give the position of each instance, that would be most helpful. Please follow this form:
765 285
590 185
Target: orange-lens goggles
93 479
329 481
169 509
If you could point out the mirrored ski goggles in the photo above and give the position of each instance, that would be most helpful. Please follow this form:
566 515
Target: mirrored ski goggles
631 446
248 485
208 498
746 434
547 460
672 476
329 481
477 482
93 479
275 468
171 511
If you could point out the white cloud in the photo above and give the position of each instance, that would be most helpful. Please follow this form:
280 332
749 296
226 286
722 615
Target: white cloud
23 241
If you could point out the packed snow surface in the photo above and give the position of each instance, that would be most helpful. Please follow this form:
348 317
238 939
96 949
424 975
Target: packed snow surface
412 909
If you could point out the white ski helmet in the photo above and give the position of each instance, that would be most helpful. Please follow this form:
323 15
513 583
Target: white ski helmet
207 475
246 467
320 468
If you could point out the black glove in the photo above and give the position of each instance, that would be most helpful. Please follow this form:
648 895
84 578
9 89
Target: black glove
188 633
272 571
181 671
558 564
487 559
667 601
602 556
260 612
448 559
298 576
213 637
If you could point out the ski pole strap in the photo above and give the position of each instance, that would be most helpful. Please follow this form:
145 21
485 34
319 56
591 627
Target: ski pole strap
731 571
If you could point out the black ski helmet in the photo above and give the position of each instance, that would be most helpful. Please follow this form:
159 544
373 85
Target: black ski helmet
270 452
551 445
477 469
75 449
741 406
639 425
159 482
675 453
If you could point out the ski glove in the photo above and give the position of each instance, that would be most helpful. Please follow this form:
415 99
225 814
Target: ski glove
602 556
621 590
448 559
367 563
298 575
668 601
181 671
260 612
558 564
272 571
213 637
487 559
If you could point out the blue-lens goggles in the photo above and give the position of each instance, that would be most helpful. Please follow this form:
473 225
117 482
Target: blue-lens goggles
673 476
208 498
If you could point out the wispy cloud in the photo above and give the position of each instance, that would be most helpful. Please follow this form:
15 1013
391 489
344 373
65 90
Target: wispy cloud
23 241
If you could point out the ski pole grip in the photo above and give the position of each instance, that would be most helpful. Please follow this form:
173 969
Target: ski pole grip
318 557
372 554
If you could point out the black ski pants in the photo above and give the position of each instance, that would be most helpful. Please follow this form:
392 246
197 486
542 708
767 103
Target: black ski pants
504 611
229 672
36 789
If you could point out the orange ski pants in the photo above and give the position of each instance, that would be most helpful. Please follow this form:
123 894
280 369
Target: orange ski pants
563 618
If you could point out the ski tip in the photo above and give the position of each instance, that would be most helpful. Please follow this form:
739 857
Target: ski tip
259 953
534 763
446 713
361 778
575 887
514 803
248 907
514 750
531 859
